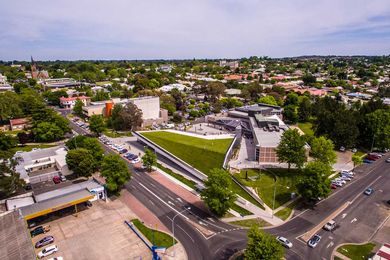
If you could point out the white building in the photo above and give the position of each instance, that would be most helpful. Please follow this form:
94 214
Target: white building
3 79
170 87
69 102
42 164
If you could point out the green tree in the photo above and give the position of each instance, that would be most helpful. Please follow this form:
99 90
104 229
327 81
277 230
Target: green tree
309 79
322 149
115 171
357 160
10 180
314 182
378 123
262 246
149 159
10 105
290 114
214 90
291 148
304 109
47 132
78 108
7 141
81 162
131 117
97 124
270 100
292 99
218 194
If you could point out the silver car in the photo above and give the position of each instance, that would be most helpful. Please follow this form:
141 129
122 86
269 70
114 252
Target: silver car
284 241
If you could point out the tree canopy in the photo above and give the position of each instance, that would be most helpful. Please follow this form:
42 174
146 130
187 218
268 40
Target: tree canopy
322 149
97 124
81 162
291 148
262 246
149 159
115 171
314 182
218 194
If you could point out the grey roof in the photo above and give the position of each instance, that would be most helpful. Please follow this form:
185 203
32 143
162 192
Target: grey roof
89 185
54 202
15 240
265 138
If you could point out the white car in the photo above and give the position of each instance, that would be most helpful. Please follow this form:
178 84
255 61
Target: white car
347 172
330 225
341 180
56 258
337 183
284 241
346 178
48 251
136 160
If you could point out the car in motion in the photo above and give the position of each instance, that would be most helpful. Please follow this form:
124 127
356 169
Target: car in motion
47 251
330 225
369 191
56 258
44 241
284 241
313 242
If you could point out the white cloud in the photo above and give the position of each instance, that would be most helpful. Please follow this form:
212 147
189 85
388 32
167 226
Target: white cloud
124 29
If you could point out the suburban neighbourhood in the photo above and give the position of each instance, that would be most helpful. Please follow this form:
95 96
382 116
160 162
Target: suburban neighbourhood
253 158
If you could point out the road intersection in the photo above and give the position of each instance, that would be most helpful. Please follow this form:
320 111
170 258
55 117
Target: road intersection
205 237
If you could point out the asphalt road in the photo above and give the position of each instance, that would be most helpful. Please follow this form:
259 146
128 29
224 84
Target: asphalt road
356 224
369 212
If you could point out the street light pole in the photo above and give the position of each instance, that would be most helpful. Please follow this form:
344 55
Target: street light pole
173 227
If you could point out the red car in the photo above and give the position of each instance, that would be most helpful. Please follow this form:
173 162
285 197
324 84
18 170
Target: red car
56 179
333 186
372 158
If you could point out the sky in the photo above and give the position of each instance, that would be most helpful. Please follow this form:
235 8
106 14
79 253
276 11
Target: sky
187 29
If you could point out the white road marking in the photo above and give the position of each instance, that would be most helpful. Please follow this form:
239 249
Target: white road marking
330 244
153 185
170 202
344 215
151 202
179 199
202 223
160 199
353 220
193 241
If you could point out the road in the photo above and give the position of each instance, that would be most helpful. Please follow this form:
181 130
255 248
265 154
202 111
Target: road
369 213
165 205
356 224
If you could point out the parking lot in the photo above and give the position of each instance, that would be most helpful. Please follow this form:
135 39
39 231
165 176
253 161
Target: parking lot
97 232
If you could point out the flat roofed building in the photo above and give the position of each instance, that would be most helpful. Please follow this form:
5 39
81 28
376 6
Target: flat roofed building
150 107
42 164
60 83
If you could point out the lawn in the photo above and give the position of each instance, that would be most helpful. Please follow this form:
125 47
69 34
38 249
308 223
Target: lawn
115 134
156 237
28 148
179 177
286 212
242 211
14 132
306 128
357 251
251 222
200 153
265 183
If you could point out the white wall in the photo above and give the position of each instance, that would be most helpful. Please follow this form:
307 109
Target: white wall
150 107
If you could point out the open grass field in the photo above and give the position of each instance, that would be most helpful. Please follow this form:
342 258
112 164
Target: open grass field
306 128
283 214
202 154
115 134
156 237
357 251
264 183
28 148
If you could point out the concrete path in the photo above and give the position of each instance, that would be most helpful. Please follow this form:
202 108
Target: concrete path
339 255
286 204
230 219
263 214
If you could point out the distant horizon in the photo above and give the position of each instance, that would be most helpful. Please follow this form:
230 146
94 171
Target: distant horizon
215 59
174 29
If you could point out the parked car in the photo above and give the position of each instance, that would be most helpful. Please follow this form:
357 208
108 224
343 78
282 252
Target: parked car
56 179
347 172
44 241
62 178
369 191
330 225
333 186
39 230
123 151
135 160
388 160
337 183
284 241
342 149
313 242
378 155
341 180
372 157
346 178
48 251
365 160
